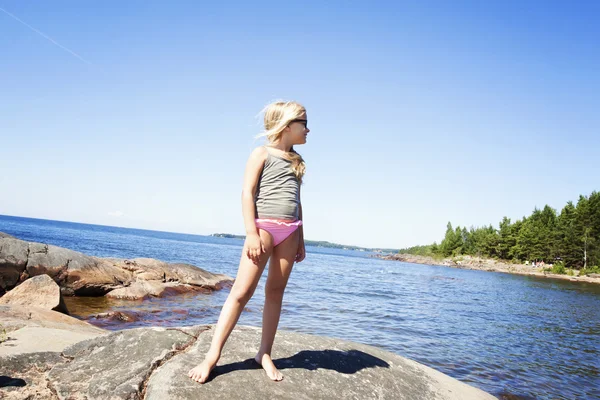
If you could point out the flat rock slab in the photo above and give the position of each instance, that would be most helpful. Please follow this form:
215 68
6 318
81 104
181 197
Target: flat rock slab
23 376
117 365
314 367
152 364
32 339
14 317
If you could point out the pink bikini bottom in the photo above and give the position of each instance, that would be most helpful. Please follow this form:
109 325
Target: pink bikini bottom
280 230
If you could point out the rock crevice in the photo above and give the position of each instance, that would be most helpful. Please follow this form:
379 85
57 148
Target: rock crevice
169 356
51 389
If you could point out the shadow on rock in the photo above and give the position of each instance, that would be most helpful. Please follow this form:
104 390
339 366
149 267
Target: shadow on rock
6 381
344 362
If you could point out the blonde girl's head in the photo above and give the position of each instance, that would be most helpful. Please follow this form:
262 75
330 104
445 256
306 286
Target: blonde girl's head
277 117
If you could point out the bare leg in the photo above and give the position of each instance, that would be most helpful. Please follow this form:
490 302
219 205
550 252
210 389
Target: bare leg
280 269
243 288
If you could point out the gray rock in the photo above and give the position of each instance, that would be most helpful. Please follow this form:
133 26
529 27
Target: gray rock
13 260
75 272
116 366
314 367
152 364
79 274
23 376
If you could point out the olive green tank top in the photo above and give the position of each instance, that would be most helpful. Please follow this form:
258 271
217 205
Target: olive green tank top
278 190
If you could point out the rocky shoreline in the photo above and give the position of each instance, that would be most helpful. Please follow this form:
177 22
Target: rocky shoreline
46 354
78 274
73 360
482 264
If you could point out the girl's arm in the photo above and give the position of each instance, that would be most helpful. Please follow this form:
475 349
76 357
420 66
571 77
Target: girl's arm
301 252
253 245
301 228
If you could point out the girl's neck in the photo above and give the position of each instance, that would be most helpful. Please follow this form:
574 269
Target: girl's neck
280 146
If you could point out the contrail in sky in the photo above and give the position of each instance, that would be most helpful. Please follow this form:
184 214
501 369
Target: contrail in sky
45 36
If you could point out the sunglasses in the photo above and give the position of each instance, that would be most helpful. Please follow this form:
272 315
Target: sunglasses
302 121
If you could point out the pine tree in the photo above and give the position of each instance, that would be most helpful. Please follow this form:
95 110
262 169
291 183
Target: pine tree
568 242
505 238
452 241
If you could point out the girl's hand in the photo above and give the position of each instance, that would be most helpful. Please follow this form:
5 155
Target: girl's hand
301 252
254 247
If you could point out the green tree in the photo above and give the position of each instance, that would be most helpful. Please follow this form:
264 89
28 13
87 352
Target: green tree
516 251
506 239
490 240
594 219
548 220
468 246
536 239
527 239
584 228
452 241
568 242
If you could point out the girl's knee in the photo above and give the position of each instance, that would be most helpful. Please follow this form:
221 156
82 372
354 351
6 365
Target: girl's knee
241 296
274 291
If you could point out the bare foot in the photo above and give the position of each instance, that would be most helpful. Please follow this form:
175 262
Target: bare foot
272 372
201 372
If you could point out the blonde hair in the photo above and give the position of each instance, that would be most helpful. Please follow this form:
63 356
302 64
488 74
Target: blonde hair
277 116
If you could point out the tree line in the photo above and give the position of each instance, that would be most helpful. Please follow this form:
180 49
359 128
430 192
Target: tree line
571 237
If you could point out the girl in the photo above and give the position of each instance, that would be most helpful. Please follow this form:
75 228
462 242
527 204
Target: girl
273 219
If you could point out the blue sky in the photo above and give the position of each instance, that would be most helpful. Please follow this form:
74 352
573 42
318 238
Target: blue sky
420 114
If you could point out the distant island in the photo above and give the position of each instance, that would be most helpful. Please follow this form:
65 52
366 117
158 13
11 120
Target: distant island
316 243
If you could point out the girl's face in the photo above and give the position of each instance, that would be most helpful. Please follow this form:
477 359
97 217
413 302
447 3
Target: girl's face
298 129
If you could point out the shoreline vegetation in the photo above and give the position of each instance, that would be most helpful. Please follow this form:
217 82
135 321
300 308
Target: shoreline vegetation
562 245
491 265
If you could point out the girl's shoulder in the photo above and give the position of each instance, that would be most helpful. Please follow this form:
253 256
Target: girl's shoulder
260 153
258 159
276 153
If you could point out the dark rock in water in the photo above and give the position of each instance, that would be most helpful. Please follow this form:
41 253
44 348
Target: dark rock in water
82 275
125 316
152 363
39 291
